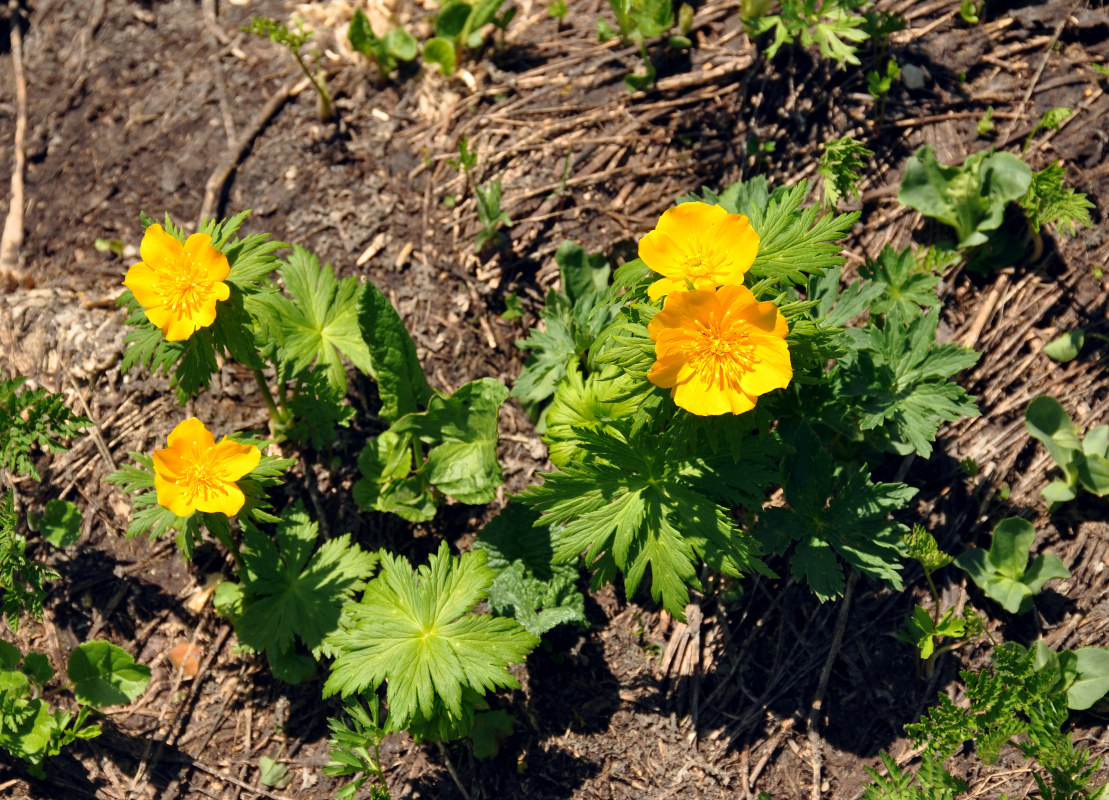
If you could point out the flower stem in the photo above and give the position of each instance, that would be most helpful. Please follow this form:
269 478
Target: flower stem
275 415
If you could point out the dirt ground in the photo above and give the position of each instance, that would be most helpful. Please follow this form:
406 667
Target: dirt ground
152 105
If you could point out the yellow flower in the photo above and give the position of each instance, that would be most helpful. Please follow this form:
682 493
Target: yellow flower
717 351
195 474
178 284
698 244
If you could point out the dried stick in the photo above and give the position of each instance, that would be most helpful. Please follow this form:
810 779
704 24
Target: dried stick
11 241
813 721
213 189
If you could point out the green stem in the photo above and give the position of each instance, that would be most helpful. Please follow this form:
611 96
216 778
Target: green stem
267 397
229 542
326 112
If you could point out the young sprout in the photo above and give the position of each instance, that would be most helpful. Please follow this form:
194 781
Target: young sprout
279 33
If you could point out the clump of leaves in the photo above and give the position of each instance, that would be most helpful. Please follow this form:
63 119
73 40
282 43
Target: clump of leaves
293 41
637 21
1049 201
1015 705
529 586
387 52
922 629
290 590
100 674
572 319
970 198
1004 573
459 27
836 26
414 632
1084 461
356 748
842 164
1083 674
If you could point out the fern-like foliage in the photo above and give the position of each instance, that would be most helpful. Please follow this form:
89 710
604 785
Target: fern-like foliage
1016 704
21 577
1049 201
29 420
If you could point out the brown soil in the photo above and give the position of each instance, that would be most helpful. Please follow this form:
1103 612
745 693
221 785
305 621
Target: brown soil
135 105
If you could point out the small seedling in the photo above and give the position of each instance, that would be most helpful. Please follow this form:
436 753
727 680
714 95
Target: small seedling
490 214
1084 462
1004 573
971 11
842 165
467 158
458 28
1066 347
397 45
836 26
557 9
985 126
279 33
1083 673
60 523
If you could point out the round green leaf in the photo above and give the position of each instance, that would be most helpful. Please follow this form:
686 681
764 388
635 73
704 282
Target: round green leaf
1065 348
1049 422
105 675
440 51
401 44
451 22
1092 682
60 524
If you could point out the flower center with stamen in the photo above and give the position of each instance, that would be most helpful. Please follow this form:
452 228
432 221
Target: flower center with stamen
722 353
697 265
200 480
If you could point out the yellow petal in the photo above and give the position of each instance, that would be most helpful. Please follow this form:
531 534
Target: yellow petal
703 396
688 309
661 253
733 244
664 286
208 263
234 460
159 317
687 222
159 250
172 496
178 327
771 371
226 498
190 436
143 283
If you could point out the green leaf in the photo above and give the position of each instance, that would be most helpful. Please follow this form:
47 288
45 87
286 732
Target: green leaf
842 164
361 35
321 323
21 578
906 289
834 512
273 773
586 404
60 523
462 430
105 675
633 502
1049 201
970 198
1047 421
288 592
490 729
401 45
1092 681
441 52
32 420
414 630
1065 347
581 273
400 378
1012 539
922 547
36 666
1093 474
529 585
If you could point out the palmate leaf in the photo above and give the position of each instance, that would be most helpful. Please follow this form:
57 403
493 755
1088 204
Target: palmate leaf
413 631
906 289
900 377
289 592
633 504
834 512
320 323
586 403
